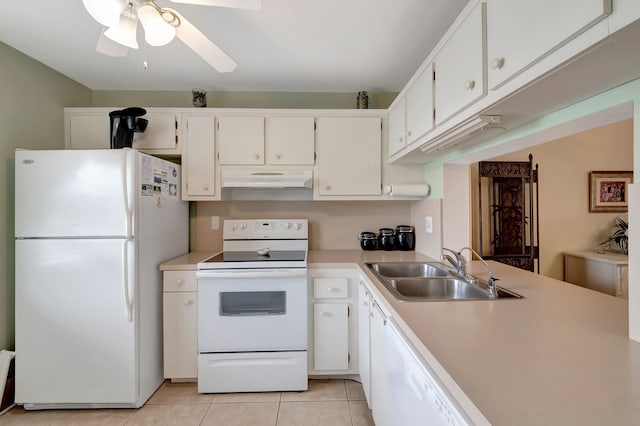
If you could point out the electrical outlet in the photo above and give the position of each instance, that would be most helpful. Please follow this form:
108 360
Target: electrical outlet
215 222
428 224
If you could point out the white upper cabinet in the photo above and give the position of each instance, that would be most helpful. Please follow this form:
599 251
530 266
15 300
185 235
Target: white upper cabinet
290 140
349 156
397 134
198 156
460 66
419 107
521 33
161 132
240 140
90 128
87 129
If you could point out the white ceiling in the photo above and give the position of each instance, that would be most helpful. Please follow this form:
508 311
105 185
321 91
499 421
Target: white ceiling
288 45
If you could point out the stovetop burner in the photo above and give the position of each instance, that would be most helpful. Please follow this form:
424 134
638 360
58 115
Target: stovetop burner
261 244
253 256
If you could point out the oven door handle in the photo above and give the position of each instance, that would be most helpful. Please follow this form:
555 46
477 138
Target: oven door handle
262 273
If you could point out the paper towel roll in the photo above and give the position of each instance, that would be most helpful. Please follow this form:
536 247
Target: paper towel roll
407 190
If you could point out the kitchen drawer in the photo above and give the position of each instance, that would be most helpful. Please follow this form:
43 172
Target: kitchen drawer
330 288
180 281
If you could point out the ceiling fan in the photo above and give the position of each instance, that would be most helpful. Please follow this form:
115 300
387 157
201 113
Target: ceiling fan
161 25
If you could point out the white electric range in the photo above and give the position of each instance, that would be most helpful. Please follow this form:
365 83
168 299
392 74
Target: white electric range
252 309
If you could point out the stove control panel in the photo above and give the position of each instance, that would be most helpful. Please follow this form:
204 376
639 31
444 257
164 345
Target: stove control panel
265 229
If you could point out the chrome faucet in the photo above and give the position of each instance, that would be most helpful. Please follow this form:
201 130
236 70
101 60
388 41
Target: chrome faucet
457 261
491 280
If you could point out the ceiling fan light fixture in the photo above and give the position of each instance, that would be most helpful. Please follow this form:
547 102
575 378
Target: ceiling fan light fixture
157 31
107 12
108 47
125 32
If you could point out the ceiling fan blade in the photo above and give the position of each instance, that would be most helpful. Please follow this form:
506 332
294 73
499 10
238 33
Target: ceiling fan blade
108 47
237 4
204 47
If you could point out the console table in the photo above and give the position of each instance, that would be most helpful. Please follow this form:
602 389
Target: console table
604 272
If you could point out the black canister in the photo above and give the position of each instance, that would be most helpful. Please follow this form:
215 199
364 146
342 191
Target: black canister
386 238
368 240
405 237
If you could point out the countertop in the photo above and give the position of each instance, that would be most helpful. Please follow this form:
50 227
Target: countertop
187 262
559 356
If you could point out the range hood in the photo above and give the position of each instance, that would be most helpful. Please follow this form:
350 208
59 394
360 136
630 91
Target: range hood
266 178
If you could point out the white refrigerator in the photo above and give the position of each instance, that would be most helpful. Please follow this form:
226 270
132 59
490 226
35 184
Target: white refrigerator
91 228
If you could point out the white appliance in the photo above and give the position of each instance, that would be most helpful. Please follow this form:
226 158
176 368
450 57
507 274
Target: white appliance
252 309
92 227
415 396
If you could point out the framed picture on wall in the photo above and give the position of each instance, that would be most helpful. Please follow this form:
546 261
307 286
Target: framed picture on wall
608 191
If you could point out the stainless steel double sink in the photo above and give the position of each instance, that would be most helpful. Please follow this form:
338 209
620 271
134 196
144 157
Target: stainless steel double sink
432 281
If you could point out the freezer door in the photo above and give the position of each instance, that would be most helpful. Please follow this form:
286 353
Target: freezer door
74 193
74 342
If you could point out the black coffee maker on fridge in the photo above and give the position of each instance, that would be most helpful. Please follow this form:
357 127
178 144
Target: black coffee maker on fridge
124 123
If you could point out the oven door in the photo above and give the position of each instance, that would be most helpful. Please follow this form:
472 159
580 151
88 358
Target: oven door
252 310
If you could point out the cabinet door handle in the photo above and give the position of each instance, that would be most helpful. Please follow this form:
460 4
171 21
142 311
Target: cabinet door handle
328 187
278 156
188 302
331 289
205 187
400 139
325 314
257 156
180 282
471 84
497 63
409 133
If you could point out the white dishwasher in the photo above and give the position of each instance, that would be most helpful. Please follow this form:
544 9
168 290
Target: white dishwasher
415 398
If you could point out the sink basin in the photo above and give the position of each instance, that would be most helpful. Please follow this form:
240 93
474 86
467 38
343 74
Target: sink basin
411 289
408 269
414 281
437 288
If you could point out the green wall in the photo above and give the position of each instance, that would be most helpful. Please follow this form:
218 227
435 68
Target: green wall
31 116
298 100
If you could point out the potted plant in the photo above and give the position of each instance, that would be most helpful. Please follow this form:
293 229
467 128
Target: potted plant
619 238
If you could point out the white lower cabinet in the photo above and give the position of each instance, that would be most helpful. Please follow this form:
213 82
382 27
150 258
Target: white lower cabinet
179 315
333 328
364 341
379 365
331 336
373 355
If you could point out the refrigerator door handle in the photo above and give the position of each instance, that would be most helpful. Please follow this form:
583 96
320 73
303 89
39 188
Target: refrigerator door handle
125 190
125 279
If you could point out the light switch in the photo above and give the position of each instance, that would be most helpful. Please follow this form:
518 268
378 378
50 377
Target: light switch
428 224
215 222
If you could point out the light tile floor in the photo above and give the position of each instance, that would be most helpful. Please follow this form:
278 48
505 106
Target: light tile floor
326 403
